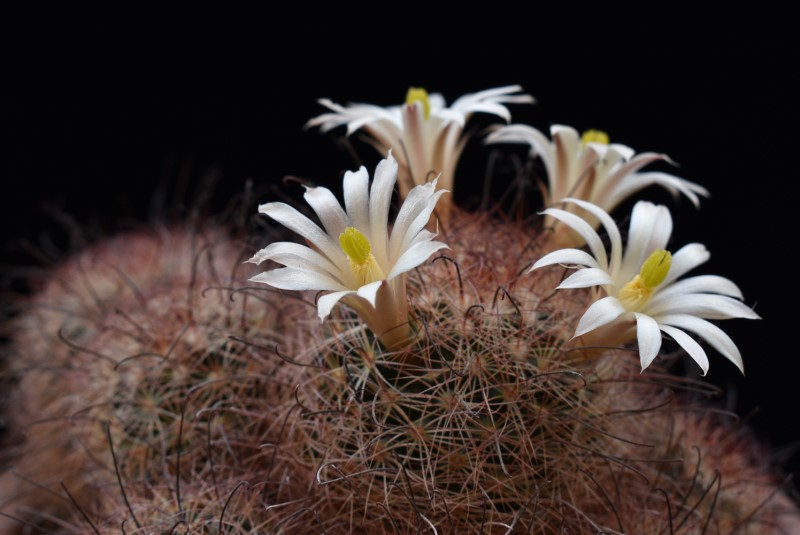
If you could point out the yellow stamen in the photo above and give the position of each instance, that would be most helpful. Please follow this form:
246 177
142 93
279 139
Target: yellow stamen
594 136
655 268
636 293
355 245
359 253
418 94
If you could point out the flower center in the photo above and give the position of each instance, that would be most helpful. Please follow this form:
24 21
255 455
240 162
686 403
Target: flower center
418 94
638 291
359 252
594 136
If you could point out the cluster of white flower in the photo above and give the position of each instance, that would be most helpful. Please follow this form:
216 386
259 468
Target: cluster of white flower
358 261
355 257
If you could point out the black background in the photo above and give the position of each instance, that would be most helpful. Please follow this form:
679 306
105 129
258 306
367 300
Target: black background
106 125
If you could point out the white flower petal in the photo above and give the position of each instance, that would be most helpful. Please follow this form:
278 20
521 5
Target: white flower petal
686 259
709 306
297 222
423 217
387 136
477 102
354 116
689 345
620 153
416 142
585 231
326 302
328 209
437 102
586 277
424 235
650 229
622 179
611 228
295 255
413 216
709 332
298 279
631 164
370 291
262 255
493 93
448 150
450 117
328 121
566 257
493 108
567 137
600 313
414 256
356 199
379 200
700 284
520 133
630 184
649 337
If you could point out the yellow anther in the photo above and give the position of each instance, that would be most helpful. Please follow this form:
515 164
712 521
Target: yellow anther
638 291
418 94
655 268
594 136
359 252
355 245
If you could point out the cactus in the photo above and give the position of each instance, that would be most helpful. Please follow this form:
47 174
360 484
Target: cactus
156 390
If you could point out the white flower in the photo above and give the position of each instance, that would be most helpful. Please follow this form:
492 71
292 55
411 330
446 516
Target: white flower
426 135
642 284
591 169
354 258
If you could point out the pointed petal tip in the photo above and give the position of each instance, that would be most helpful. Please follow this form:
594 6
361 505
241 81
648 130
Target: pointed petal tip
326 302
257 278
262 208
369 292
